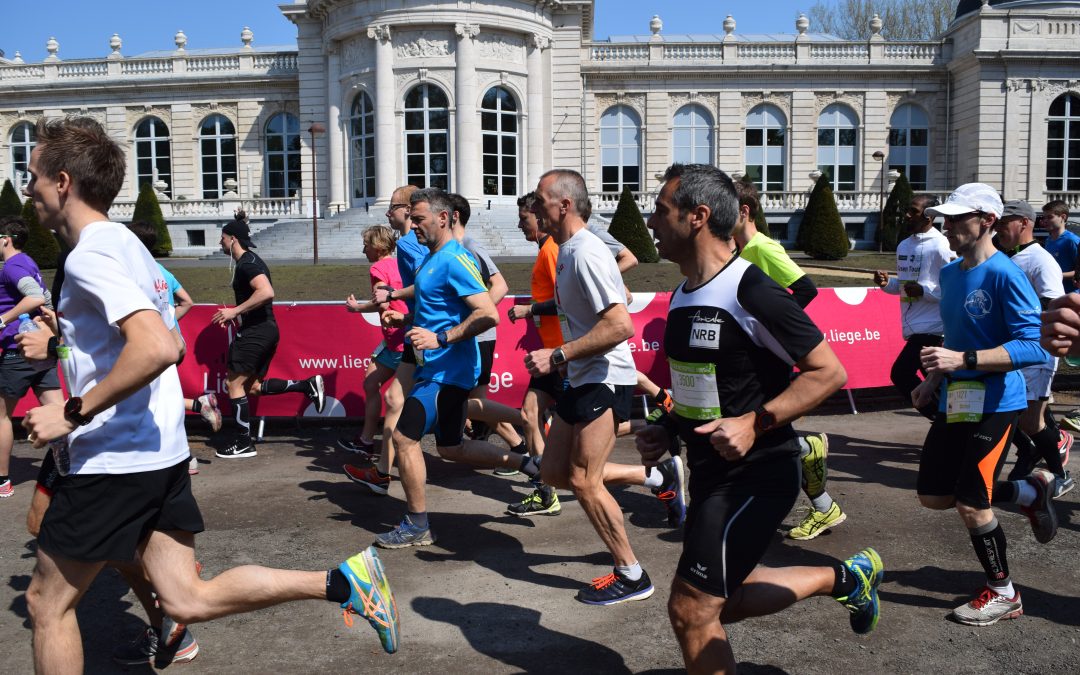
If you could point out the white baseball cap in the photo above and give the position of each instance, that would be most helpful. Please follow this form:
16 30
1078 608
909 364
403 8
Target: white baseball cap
969 198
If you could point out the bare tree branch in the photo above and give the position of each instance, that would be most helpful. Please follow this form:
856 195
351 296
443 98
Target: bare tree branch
902 19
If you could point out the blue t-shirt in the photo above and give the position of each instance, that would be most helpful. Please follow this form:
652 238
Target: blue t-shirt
174 285
444 278
410 253
1064 250
992 305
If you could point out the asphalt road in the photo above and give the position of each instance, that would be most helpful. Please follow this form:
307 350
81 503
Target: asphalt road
495 594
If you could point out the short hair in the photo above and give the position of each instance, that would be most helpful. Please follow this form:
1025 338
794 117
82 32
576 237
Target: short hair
146 232
569 184
703 184
80 147
15 228
1057 207
380 237
461 205
437 199
748 196
526 201
406 192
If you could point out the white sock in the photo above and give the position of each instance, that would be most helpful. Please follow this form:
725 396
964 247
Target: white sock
1007 590
653 477
1025 494
823 502
804 447
633 572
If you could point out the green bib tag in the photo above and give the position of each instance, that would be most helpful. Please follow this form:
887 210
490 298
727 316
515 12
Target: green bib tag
693 386
964 401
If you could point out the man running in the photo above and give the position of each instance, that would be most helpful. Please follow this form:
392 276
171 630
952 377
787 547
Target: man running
119 441
256 340
732 337
1062 244
991 331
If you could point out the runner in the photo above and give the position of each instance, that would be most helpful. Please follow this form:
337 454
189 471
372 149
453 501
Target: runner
732 337
595 323
991 331
772 259
919 259
256 339
1055 215
119 440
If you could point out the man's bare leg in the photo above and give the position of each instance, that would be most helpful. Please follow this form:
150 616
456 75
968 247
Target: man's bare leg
592 445
55 589
413 472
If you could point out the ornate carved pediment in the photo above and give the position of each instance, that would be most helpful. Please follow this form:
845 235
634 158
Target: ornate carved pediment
421 44
356 51
754 99
501 47
854 101
136 113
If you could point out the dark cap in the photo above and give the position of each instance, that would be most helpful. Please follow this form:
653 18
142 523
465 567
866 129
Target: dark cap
240 230
1018 207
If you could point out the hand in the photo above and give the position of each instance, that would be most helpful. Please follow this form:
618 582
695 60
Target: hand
518 312
538 363
1061 326
224 315
422 338
940 360
652 442
923 394
731 436
881 278
352 304
47 423
47 321
392 318
34 346
913 289
381 295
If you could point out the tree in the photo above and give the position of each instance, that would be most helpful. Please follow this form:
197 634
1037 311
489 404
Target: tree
10 204
148 209
892 220
901 19
41 244
822 228
628 226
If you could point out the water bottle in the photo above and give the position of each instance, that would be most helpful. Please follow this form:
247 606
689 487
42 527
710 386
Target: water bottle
27 325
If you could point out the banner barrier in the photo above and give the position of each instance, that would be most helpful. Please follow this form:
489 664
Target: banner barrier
862 325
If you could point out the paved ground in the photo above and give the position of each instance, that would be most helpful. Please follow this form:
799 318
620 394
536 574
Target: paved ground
495 594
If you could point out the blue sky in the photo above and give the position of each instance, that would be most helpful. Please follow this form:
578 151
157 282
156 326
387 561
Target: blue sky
83 27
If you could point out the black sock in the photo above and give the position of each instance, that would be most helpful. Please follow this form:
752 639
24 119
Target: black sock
337 586
528 467
989 543
243 416
196 406
1004 492
1048 418
3 479
521 448
274 386
1046 442
844 582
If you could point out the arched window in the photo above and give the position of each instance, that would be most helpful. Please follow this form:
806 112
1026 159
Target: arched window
620 150
692 135
1063 144
909 130
23 140
838 142
362 147
217 149
152 154
766 148
499 121
427 137
282 156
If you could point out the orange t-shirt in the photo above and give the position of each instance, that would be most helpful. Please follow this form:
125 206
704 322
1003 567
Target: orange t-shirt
543 288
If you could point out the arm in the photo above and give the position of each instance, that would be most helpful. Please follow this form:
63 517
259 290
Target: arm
804 290
263 294
483 316
381 294
497 288
615 326
887 283
1060 327
626 260
184 303
25 306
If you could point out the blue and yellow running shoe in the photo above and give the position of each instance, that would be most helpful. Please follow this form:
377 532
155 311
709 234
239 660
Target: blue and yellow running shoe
371 597
868 570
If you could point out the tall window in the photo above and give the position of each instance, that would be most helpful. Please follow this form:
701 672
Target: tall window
217 147
362 147
909 130
282 156
620 150
837 144
766 148
427 137
152 156
692 136
1063 144
23 140
499 121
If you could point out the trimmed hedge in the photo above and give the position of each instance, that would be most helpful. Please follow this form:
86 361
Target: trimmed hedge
822 229
889 233
628 226
10 203
41 244
148 209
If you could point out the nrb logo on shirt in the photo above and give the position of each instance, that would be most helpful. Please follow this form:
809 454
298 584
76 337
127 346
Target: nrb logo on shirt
978 304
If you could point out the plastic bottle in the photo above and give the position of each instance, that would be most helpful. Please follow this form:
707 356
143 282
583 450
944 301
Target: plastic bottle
27 325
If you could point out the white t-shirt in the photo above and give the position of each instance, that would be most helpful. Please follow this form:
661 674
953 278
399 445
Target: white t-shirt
110 275
587 282
1044 273
920 258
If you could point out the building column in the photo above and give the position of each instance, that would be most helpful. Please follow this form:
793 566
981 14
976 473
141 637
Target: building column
335 144
468 181
386 147
537 114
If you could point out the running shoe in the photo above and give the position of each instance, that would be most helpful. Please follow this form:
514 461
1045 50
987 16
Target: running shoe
1041 513
672 492
238 448
358 446
868 570
1065 443
404 535
369 476
6 489
505 472
1063 485
611 589
193 466
815 470
317 392
1071 420
148 647
210 411
989 608
536 505
817 522
371 597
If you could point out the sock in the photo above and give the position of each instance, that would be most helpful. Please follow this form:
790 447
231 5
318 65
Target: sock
1048 418
804 447
823 502
1006 491
1025 493
274 386
417 520
546 491
653 477
337 586
844 582
240 405
196 406
529 467
989 544
520 448
3 479
1046 442
631 572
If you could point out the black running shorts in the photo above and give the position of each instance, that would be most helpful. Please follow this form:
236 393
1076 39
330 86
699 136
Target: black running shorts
551 384
253 349
435 407
95 517
487 360
48 475
580 405
408 355
17 376
963 459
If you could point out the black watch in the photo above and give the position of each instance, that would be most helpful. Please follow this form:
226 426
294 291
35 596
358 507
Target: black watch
971 360
558 357
764 421
440 337
73 411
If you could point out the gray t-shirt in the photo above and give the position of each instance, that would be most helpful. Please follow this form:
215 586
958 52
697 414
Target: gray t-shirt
587 282
614 245
487 269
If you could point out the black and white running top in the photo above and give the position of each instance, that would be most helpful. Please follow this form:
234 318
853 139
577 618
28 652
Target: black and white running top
731 344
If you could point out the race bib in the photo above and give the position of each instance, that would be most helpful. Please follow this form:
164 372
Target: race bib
693 386
964 401
564 326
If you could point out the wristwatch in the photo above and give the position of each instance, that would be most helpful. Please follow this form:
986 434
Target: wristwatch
558 357
390 295
971 360
73 411
764 420
440 337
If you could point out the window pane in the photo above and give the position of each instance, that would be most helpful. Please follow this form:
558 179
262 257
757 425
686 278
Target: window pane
918 137
754 136
491 185
489 122
1057 108
1055 149
775 136
1055 129
437 163
416 164
414 143
826 137
438 142
438 119
509 186
897 137
754 173
509 165
414 98
414 121
491 143
274 144
775 174
847 137
609 174
509 145
509 124
491 164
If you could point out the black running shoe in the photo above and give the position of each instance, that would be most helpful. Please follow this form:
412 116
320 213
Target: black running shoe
241 447
615 588
317 393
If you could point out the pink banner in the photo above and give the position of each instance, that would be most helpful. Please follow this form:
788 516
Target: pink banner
862 326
